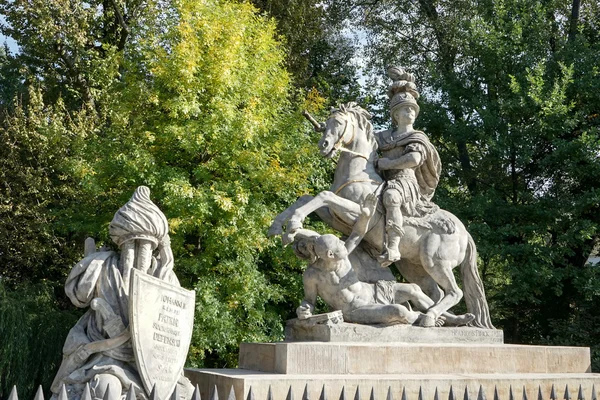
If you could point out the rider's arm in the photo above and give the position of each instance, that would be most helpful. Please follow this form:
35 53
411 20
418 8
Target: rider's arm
362 224
408 160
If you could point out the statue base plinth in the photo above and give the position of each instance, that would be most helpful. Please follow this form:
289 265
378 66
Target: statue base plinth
410 358
415 368
334 331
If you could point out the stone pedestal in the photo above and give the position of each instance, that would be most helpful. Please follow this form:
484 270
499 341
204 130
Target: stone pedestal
305 331
464 358
302 358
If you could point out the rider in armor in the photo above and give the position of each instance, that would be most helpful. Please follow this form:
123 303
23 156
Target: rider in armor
409 163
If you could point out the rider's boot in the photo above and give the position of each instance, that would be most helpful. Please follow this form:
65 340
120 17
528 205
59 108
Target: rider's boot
392 247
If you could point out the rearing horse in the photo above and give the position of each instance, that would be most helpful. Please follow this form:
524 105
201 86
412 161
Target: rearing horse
431 247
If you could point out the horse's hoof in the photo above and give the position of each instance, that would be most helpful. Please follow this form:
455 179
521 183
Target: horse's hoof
426 321
287 238
466 319
293 225
275 230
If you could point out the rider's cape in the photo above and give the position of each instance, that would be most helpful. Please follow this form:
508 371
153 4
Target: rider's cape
428 173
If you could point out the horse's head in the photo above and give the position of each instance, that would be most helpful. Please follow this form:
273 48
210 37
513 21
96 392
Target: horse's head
335 134
342 127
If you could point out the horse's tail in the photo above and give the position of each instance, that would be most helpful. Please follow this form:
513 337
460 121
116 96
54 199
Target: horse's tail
473 288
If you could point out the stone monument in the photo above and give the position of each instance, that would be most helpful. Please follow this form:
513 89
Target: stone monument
137 329
383 336
425 242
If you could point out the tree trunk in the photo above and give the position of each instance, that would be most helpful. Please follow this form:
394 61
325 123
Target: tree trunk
576 5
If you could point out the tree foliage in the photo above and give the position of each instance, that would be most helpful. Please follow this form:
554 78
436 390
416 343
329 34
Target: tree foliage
511 100
199 101
321 55
199 108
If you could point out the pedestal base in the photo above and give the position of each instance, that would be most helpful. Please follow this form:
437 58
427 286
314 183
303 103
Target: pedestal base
418 370
307 331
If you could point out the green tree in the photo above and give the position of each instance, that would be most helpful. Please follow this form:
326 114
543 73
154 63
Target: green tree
191 99
512 89
319 55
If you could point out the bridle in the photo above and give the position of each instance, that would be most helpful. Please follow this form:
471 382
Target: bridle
339 145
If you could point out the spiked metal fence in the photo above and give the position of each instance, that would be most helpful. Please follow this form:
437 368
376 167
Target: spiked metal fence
452 394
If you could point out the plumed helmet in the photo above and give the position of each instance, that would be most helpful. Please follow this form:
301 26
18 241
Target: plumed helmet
403 89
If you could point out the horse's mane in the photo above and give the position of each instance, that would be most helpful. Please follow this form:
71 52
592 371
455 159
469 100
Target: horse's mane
362 117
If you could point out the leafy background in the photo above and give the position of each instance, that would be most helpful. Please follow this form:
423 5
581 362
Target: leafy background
200 100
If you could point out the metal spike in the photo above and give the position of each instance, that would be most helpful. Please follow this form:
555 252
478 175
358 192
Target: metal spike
524 393
106 393
131 393
231 395
540 396
196 394
511 396
372 396
436 395
480 394
553 393
290 394
451 395
269 393
420 393
87 393
14 395
250 394
357 394
39 395
389 394
466 395
496 397
63 392
215 393
404 394
305 394
580 393
343 393
323 395
567 394
153 394
174 395
594 397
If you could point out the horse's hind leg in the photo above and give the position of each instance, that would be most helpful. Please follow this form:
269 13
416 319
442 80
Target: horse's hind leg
415 273
441 271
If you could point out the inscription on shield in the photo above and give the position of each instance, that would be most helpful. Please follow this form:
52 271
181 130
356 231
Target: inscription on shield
161 318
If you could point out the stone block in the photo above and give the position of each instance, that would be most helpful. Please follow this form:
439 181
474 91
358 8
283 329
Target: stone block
305 331
410 358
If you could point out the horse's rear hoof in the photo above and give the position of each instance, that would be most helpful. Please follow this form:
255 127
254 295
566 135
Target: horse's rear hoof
426 321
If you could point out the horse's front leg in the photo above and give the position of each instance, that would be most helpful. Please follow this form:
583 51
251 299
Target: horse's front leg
347 210
282 218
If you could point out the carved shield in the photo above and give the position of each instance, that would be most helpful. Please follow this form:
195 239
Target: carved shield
161 318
